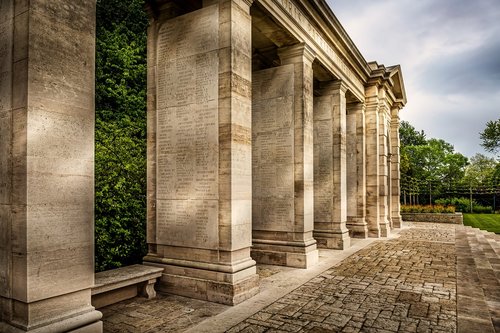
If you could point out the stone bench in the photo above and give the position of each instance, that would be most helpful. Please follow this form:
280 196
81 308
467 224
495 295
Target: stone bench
123 283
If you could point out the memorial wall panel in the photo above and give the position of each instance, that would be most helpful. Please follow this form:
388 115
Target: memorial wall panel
323 159
273 149
6 46
188 130
352 175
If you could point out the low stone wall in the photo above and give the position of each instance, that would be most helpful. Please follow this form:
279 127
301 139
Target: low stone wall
456 218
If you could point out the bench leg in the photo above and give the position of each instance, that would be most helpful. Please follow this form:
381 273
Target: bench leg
148 289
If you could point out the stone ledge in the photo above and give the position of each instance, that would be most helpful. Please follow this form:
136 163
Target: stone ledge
123 283
456 218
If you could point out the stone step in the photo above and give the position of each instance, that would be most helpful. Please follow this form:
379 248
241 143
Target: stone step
478 275
494 241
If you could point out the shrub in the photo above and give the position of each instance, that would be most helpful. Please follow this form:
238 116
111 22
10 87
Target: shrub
482 209
120 193
461 204
428 209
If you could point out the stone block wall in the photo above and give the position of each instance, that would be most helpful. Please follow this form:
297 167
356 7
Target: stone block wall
456 218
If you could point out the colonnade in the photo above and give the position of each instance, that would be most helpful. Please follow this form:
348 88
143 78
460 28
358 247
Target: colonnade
269 136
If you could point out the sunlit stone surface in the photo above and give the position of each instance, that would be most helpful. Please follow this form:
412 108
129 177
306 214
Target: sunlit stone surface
47 166
269 135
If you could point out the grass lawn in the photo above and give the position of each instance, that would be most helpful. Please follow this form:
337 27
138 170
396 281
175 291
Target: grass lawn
490 222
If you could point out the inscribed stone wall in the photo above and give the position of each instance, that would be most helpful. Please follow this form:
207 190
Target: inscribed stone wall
55 140
352 175
323 159
6 40
273 149
187 130
47 53
6 34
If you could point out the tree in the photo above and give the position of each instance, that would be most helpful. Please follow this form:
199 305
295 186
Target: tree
435 161
491 136
480 171
428 166
409 136
120 148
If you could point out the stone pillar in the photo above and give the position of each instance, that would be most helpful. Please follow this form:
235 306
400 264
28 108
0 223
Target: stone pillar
384 121
372 161
395 171
282 235
389 176
199 156
356 171
330 182
47 166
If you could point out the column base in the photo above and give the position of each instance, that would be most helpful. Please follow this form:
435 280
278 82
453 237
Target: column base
374 233
332 240
91 328
285 253
385 228
88 322
397 222
225 284
357 228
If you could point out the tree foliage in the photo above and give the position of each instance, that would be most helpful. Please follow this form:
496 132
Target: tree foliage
409 136
480 171
491 136
428 165
120 148
435 161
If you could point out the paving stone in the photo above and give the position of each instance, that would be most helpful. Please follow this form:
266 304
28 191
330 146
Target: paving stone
409 297
406 284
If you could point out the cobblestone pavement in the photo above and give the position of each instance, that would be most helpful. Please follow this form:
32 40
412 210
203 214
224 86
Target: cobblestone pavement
165 313
402 285
432 232
406 284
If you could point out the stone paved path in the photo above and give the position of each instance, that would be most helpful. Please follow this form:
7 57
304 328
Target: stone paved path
404 284
165 313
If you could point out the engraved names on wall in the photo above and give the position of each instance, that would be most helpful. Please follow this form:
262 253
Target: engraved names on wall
188 129
323 159
273 148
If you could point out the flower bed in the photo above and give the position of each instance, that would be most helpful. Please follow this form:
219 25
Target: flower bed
448 209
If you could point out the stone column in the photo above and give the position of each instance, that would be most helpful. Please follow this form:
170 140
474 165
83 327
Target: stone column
47 166
372 161
294 245
199 157
330 182
395 171
384 221
356 171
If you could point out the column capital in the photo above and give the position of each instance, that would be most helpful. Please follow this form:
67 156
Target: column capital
398 105
296 53
360 106
395 114
334 86
372 92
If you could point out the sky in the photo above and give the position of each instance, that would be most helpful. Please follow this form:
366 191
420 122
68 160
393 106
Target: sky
449 51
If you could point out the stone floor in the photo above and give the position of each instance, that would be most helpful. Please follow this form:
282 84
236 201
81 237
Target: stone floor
405 283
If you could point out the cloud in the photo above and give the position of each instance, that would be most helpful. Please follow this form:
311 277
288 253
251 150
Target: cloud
477 70
449 51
